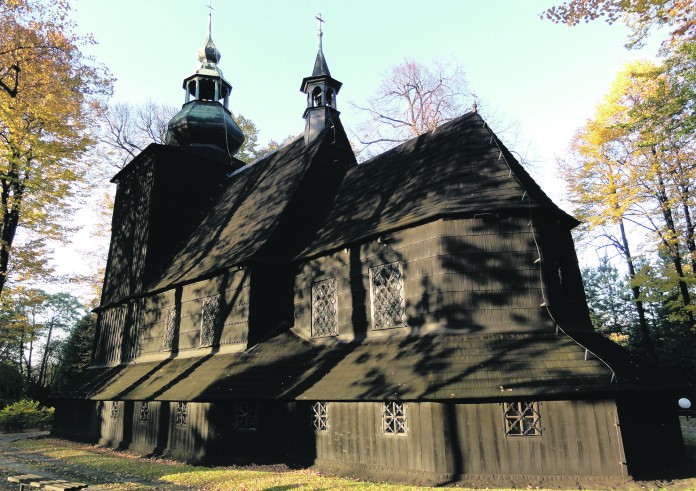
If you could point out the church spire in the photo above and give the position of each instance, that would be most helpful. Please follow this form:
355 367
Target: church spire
321 90
204 118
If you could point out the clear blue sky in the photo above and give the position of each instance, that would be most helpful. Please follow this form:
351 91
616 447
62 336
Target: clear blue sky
543 76
547 78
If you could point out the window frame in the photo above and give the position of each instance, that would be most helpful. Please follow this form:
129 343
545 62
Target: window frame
210 319
394 418
170 322
181 414
373 271
522 418
331 330
249 413
144 413
320 416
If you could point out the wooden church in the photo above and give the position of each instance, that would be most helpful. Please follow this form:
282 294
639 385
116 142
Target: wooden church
419 316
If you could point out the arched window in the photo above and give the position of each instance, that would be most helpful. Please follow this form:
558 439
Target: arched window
207 90
330 98
316 97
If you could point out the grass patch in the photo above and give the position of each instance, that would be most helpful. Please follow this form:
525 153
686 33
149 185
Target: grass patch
108 469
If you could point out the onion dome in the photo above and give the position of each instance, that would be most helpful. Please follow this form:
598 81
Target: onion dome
203 119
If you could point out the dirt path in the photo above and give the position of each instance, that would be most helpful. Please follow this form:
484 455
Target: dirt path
14 462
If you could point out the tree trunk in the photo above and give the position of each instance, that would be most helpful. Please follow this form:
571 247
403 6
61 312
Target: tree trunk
635 289
673 247
44 360
10 199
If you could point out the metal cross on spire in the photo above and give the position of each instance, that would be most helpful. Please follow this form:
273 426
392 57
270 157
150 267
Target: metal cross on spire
320 21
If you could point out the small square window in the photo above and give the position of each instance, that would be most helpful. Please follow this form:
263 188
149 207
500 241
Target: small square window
170 322
324 309
210 315
387 293
144 412
522 418
320 416
181 414
394 421
245 417
113 414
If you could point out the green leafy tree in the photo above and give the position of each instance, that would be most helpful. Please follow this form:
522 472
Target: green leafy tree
44 126
76 351
630 169
609 300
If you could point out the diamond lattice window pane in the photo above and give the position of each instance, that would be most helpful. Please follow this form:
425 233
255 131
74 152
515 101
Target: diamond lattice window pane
169 328
324 311
522 418
181 413
320 416
387 290
209 320
394 421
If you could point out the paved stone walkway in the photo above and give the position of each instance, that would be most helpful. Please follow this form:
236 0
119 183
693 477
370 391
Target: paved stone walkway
13 462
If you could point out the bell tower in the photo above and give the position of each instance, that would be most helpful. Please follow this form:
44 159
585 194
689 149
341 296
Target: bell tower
321 90
203 119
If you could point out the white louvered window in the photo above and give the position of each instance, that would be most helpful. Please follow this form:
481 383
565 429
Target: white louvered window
522 418
210 316
169 328
320 416
387 294
324 309
394 419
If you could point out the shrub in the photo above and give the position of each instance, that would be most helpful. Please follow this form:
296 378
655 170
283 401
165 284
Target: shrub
25 414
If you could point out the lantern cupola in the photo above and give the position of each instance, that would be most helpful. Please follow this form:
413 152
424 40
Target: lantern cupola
321 90
204 118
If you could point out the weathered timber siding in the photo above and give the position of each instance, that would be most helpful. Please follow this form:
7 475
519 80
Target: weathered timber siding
78 419
578 438
130 229
136 328
472 275
145 437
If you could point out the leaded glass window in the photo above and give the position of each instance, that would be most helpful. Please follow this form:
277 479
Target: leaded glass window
113 414
522 418
144 412
320 416
169 328
324 309
210 315
181 414
387 291
394 421
245 417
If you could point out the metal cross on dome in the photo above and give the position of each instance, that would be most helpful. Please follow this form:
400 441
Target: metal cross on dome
321 21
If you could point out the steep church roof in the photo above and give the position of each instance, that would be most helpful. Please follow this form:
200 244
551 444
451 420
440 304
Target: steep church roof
460 168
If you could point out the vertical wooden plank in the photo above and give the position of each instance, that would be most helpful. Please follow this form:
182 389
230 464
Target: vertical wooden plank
415 448
580 430
426 437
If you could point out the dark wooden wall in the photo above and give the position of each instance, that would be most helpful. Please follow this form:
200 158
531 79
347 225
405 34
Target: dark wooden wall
443 439
471 275
136 328
578 438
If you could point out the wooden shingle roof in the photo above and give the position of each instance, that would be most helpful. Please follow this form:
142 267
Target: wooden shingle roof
245 215
460 168
417 368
